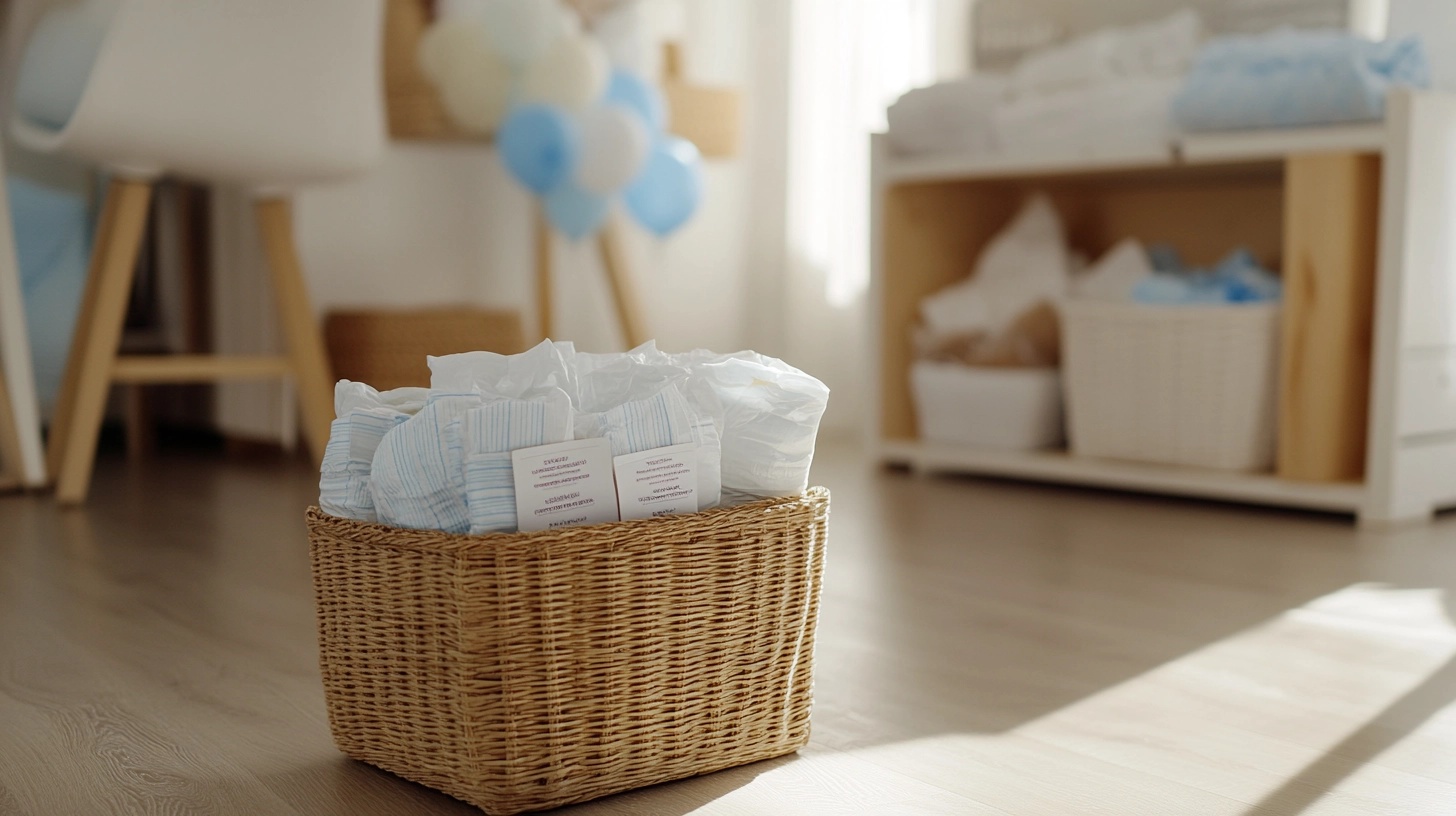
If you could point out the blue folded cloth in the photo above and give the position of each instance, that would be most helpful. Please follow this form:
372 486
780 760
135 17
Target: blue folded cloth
1291 78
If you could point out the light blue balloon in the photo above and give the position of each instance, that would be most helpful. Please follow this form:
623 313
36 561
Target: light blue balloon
540 145
637 95
575 211
667 192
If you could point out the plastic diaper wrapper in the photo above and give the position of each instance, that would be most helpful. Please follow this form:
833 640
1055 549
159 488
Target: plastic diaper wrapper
771 414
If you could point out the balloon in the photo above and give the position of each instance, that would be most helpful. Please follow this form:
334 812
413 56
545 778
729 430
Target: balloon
572 74
575 211
540 145
632 92
613 149
668 191
448 42
521 30
625 31
475 90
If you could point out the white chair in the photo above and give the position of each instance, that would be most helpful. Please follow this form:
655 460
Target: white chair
267 94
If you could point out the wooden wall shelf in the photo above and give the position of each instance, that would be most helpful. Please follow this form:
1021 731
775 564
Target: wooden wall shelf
1359 219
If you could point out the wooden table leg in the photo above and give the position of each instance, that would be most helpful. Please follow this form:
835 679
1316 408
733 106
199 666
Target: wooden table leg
312 376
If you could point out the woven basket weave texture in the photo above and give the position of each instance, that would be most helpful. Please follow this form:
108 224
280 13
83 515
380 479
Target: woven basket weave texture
1177 385
526 671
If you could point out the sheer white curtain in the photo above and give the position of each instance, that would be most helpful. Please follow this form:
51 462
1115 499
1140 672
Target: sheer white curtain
848 60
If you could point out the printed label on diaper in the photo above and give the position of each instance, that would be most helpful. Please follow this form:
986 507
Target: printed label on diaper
658 482
564 485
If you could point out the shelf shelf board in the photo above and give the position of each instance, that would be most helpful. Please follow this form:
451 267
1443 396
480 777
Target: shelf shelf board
1063 468
1232 147
954 166
1249 145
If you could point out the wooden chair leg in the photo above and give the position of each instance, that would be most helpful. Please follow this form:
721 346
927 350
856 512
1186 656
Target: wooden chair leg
10 469
542 228
624 293
141 436
93 350
65 407
310 363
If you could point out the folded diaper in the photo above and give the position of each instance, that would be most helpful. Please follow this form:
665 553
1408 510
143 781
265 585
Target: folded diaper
364 417
487 435
1289 78
417 477
771 414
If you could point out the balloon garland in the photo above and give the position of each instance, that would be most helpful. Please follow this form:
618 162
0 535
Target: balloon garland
570 127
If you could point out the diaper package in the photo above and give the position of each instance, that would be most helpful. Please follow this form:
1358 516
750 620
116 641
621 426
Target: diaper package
442 458
364 417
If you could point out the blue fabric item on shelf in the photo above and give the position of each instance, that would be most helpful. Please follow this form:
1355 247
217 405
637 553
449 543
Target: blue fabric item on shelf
1238 278
1292 78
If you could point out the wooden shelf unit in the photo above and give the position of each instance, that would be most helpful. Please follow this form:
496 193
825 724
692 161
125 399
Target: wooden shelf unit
1368 387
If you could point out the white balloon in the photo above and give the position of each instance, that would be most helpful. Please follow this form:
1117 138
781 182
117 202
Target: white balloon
447 42
523 30
614 145
573 74
624 33
476 90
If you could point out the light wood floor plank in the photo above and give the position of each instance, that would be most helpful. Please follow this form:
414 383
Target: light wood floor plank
985 648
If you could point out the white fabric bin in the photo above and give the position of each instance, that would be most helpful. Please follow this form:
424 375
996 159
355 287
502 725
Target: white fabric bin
1181 385
1001 408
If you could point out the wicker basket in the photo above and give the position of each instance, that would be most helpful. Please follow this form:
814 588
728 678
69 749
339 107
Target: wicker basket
387 349
1180 385
525 671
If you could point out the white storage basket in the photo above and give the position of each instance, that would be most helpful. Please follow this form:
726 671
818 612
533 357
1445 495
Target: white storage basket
1183 385
1000 408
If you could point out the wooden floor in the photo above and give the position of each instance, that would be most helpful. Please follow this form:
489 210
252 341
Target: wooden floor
986 648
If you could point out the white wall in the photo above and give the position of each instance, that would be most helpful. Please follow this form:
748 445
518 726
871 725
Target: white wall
440 223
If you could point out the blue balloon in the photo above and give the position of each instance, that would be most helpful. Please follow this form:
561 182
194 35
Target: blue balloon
632 92
540 145
575 211
668 190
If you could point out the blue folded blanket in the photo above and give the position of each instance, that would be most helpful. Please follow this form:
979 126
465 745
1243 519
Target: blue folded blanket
1289 78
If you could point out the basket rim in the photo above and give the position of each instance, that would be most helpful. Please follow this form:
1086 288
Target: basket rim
384 535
